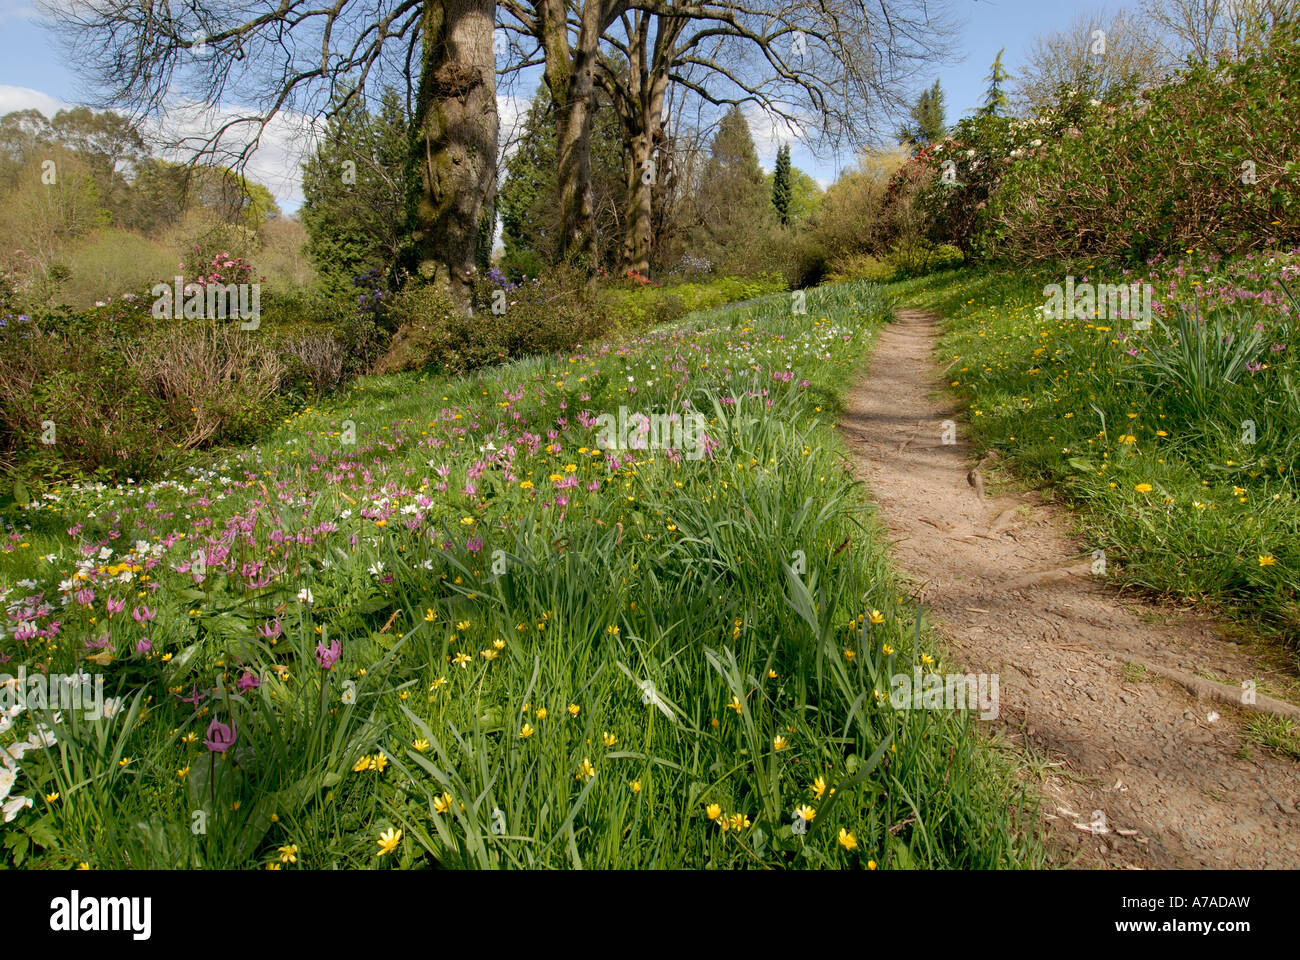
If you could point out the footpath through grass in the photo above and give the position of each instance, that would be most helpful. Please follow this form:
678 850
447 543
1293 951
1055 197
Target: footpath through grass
1178 442
436 625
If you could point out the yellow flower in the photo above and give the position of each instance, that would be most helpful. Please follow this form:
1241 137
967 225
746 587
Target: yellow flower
442 803
779 742
805 812
585 770
871 864
1143 488
378 762
461 659
713 811
736 704
819 787
526 485
421 745
289 854
52 797
489 654
739 821
877 617
362 765
467 521
635 786
847 840
183 772
771 674
83 865
526 731
1266 560
429 615
388 841
462 625
849 654
541 713
612 630
888 650
609 739
573 709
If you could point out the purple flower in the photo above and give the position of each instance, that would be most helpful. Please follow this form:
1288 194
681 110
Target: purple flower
144 645
220 737
248 682
328 656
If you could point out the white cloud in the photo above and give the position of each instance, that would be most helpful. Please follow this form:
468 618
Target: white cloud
769 132
24 98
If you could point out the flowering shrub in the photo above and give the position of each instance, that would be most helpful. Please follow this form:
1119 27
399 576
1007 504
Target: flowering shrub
1206 161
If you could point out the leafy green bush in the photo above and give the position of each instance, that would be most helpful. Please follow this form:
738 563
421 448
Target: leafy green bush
1207 161
540 316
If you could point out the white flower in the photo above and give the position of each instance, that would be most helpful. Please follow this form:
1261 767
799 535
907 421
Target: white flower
1037 143
970 153
345 514
376 568
7 777
304 596
105 553
13 806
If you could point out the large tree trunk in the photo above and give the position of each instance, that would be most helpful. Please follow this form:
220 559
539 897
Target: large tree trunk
454 141
570 75
645 138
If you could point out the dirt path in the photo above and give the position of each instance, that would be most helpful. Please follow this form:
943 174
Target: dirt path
1099 690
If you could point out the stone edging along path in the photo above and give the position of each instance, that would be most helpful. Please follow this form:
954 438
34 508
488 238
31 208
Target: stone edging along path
1143 759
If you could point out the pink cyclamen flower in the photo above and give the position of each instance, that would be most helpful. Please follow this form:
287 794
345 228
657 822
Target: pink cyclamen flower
248 682
114 605
220 737
142 614
328 656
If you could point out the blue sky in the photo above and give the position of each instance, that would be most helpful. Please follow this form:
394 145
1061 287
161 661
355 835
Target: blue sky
34 73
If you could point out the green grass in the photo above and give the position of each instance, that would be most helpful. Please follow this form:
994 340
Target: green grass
523 681
1180 457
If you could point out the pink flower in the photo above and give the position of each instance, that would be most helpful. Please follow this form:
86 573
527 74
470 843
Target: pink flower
220 737
328 656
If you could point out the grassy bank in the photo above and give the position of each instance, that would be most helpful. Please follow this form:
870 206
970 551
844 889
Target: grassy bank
432 624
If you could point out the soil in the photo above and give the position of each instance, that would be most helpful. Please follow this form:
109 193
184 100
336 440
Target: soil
1106 697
